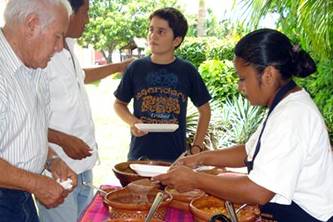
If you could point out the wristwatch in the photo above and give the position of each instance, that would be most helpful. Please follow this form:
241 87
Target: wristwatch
49 161
195 148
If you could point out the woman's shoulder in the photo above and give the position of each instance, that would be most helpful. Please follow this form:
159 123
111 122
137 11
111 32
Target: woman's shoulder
299 105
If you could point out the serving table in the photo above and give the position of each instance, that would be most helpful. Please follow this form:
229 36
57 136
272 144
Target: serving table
97 211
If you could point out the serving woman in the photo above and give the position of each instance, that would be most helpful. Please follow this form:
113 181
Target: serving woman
289 157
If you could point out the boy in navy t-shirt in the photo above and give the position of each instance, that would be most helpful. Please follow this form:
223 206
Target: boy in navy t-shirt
160 85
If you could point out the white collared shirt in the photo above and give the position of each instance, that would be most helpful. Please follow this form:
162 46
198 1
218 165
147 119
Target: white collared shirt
295 160
24 113
70 108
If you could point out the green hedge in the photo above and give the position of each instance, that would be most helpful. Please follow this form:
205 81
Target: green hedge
198 50
220 78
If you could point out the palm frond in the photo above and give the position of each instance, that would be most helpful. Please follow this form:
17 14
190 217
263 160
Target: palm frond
313 20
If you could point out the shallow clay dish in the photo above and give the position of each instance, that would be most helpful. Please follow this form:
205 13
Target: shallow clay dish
182 200
124 204
203 208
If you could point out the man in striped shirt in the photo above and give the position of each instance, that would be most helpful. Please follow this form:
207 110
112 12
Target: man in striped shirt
33 32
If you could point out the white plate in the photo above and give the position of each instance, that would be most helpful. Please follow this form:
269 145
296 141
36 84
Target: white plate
147 170
168 127
204 168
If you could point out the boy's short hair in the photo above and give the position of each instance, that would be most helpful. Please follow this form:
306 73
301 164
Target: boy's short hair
175 19
76 4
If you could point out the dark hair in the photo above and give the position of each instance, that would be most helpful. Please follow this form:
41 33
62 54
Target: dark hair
76 4
265 47
175 19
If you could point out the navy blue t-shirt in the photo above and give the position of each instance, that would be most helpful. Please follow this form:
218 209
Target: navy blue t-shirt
160 94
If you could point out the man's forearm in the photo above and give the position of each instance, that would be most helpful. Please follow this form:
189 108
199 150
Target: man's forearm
55 136
15 178
98 73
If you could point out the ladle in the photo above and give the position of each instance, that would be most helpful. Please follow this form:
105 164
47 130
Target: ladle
231 211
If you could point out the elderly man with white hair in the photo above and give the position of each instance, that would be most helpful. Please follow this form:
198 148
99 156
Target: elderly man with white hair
32 34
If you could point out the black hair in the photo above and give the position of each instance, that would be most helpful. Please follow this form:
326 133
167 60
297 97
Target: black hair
175 19
76 4
265 47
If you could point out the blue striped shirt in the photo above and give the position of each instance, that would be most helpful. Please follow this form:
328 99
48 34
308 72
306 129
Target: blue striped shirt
24 112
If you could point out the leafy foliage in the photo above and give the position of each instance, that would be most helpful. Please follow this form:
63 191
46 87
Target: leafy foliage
238 120
220 78
114 22
214 130
198 50
312 20
308 23
193 50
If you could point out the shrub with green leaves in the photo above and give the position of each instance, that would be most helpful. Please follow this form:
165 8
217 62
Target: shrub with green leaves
238 120
220 78
214 129
220 50
193 50
197 50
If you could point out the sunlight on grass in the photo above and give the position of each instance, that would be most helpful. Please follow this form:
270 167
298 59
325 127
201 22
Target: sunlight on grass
112 134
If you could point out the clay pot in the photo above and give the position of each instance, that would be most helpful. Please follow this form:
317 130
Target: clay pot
125 204
203 208
182 201
126 175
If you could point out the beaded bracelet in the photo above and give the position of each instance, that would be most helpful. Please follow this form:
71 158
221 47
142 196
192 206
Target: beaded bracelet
49 161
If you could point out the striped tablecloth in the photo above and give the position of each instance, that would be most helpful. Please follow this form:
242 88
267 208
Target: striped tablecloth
96 211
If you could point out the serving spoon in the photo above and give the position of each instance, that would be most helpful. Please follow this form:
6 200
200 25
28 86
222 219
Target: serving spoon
94 187
156 203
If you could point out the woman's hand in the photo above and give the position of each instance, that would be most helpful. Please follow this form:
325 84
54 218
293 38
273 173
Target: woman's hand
192 161
181 178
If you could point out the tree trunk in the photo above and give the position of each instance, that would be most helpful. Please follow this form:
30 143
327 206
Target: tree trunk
201 18
108 55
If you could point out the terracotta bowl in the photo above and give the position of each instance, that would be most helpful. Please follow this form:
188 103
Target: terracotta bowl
126 175
182 201
203 208
125 204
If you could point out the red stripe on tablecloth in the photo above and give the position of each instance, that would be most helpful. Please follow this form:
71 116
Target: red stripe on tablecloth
96 211
178 215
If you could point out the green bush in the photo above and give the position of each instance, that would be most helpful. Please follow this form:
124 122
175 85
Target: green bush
220 78
220 51
197 50
214 129
193 50
238 120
